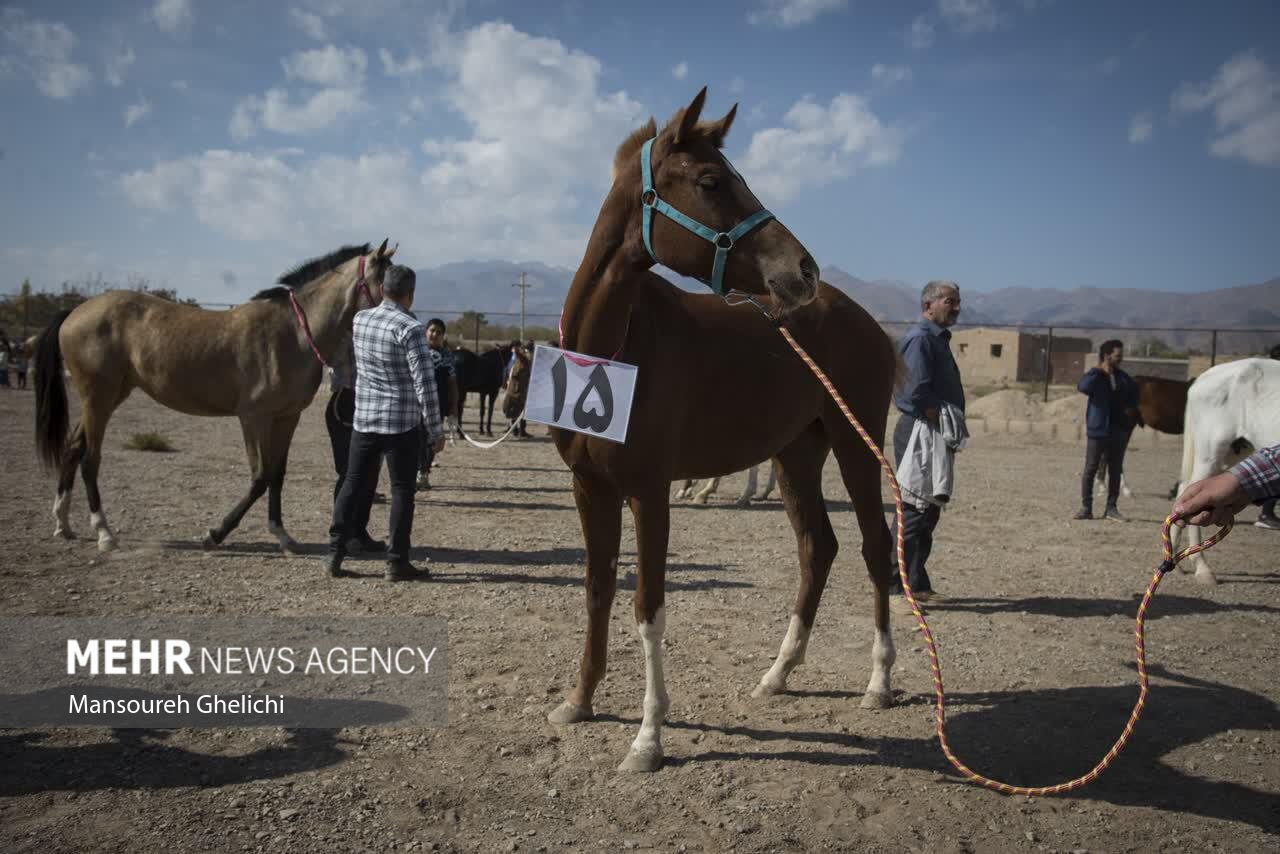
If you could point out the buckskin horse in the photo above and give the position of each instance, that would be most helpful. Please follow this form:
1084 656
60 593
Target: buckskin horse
261 362
718 390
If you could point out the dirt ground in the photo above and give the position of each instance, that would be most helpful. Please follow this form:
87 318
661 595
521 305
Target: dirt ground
1036 646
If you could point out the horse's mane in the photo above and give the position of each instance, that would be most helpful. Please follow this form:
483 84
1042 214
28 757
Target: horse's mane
631 145
309 271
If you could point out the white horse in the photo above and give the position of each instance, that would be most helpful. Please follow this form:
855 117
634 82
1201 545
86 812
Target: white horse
1226 404
686 492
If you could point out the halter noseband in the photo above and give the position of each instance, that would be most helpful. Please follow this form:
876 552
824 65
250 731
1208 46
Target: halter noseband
722 240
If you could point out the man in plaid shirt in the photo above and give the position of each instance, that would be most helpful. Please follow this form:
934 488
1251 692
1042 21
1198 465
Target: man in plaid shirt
395 393
1215 500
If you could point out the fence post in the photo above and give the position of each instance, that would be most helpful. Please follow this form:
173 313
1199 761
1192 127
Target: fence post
1213 348
1048 363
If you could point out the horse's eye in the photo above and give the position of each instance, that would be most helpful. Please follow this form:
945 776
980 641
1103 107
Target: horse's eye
708 182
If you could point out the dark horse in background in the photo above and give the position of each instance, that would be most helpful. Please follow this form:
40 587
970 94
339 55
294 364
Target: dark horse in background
253 362
482 374
718 390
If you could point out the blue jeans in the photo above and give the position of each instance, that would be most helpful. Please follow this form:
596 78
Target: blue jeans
363 463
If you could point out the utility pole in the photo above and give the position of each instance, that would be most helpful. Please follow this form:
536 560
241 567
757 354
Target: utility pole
523 286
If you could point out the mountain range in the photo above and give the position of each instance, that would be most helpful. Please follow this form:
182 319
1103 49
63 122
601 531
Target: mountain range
486 286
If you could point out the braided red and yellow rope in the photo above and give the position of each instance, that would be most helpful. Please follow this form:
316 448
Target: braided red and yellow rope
1170 561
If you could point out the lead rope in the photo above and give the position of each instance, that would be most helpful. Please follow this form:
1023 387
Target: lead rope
1170 561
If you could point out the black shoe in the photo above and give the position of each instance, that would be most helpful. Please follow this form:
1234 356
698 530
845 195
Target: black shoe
1114 515
333 565
402 570
1084 513
365 545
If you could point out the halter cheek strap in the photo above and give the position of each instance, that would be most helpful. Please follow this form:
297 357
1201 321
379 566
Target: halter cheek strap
722 240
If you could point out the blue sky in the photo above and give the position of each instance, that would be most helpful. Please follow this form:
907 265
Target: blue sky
1043 143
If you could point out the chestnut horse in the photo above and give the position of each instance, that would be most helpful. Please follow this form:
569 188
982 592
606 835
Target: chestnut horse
718 390
255 362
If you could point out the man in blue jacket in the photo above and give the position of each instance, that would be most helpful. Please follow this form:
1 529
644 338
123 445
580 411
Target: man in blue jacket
933 380
1109 421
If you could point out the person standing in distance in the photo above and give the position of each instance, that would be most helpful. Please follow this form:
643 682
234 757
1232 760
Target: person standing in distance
1109 421
395 393
933 380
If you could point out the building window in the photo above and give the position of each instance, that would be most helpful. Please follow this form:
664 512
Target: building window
996 350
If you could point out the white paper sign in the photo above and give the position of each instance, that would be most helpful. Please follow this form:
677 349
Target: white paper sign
581 393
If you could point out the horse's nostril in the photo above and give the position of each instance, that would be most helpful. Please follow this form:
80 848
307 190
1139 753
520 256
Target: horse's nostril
809 270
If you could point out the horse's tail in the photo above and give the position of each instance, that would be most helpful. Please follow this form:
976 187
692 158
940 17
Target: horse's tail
51 395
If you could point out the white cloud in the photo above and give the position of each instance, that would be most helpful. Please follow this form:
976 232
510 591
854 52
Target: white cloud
172 16
791 13
681 71
412 64
890 73
523 180
1140 128
817 145
1245 98
118 62
136 112
921 35
328 66
240 195
971 16
276 111
41 51
309 23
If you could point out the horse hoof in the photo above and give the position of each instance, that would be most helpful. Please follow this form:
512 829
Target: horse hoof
290 547
742 502
1206 578
768 689
107 544
699 499
570 713
64 533
876 701
212 539
644 761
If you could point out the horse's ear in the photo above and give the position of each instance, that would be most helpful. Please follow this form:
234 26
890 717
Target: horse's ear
393 250
719 130
689 118
381 250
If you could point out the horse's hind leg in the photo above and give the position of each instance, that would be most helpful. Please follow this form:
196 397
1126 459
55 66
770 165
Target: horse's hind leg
256 441
861 474
708 489
66 482
600 512
98 406
800 477
653 526
748 491
281 437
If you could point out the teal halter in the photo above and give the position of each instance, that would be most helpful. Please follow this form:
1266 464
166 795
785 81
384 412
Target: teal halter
722 240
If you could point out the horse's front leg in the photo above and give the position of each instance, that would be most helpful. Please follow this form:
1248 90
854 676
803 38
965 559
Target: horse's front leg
256 440
281 438
600 512
653 525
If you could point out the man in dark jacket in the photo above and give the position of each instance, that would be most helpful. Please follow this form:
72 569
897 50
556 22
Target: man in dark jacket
934 380
1109 420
